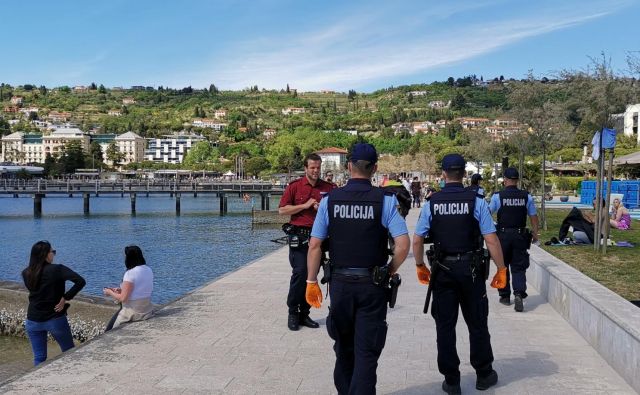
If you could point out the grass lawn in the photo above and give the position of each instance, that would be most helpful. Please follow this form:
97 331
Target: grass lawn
618 270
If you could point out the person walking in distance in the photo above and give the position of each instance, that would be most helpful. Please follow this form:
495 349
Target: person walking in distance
475 184
300 200
457 221
358 219
513 206
416 192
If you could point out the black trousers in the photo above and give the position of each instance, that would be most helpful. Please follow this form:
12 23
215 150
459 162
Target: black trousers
516 259
455 288
357 323
296 300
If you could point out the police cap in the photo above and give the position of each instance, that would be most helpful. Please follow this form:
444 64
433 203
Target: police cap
511 173
364 151
476 177
452 162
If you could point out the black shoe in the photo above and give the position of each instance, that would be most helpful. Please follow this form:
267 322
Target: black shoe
308 322
451 389
519 307
483 383
505 300
294 322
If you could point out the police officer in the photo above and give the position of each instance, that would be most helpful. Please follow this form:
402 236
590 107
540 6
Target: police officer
513 205
475 184
357 218
300 200
454 218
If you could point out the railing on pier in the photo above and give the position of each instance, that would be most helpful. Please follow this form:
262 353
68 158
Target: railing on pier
13 186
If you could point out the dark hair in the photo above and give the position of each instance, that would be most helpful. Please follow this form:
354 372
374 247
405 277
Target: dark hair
32 274
363 167
455 174
133 257
311 156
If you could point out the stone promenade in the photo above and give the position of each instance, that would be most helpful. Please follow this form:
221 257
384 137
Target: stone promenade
231 336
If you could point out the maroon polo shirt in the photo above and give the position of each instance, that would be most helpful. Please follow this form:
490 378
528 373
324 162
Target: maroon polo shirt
299 192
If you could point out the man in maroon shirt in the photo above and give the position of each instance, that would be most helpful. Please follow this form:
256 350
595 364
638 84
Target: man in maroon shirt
300 200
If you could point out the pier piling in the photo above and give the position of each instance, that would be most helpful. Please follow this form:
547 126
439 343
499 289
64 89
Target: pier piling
177 204
85 198
133 204
37 204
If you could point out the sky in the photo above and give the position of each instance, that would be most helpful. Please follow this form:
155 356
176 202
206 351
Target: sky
311 45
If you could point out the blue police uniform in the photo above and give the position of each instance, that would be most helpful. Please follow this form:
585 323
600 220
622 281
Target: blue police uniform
477 189
513 206
357 218
455 219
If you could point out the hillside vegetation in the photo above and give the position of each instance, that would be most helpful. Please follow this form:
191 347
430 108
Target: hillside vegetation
559 115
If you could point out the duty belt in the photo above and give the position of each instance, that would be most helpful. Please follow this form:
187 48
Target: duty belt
302 231
512 230
463 256
352 271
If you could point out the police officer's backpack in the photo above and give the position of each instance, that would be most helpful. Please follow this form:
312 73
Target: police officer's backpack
403 196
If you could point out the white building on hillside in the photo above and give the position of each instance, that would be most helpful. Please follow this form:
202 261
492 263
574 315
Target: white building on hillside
209 123
133 147
293 110
333 158
171 148
54 142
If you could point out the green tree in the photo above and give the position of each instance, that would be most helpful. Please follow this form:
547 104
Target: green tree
5 128
253 166
201 152
95 153
114 155
102 89
72 157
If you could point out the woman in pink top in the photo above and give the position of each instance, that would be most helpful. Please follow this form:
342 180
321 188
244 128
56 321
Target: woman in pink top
620 218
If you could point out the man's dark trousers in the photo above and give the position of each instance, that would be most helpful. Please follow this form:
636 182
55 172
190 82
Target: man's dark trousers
516 259
298 284
455 287
357 324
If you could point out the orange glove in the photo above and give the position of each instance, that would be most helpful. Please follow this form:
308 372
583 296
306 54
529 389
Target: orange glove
313 295
424 275
500 279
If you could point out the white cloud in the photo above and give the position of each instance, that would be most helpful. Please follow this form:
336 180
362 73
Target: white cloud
375 46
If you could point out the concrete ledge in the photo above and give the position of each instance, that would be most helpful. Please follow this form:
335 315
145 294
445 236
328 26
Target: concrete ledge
608 322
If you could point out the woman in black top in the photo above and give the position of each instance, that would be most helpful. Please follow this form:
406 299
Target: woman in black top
48 305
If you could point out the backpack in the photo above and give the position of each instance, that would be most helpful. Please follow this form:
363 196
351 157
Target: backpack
403 196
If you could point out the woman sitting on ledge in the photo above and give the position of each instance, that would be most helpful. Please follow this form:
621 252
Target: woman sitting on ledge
134 293
620 218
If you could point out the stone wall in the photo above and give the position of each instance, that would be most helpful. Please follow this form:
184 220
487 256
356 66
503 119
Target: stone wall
610 323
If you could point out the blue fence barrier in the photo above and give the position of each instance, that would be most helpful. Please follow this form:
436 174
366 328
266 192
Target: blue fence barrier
629 189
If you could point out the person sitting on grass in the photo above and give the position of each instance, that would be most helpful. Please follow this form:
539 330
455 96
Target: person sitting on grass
620 218
582 223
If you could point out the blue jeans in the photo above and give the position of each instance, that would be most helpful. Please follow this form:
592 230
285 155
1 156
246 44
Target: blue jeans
37 332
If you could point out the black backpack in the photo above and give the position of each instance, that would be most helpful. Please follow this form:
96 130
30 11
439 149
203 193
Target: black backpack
403 196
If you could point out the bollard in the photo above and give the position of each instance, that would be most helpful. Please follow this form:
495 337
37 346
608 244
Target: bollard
133 203
85 198
177 204
37 205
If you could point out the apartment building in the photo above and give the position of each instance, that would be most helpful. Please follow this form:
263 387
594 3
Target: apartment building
171 148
